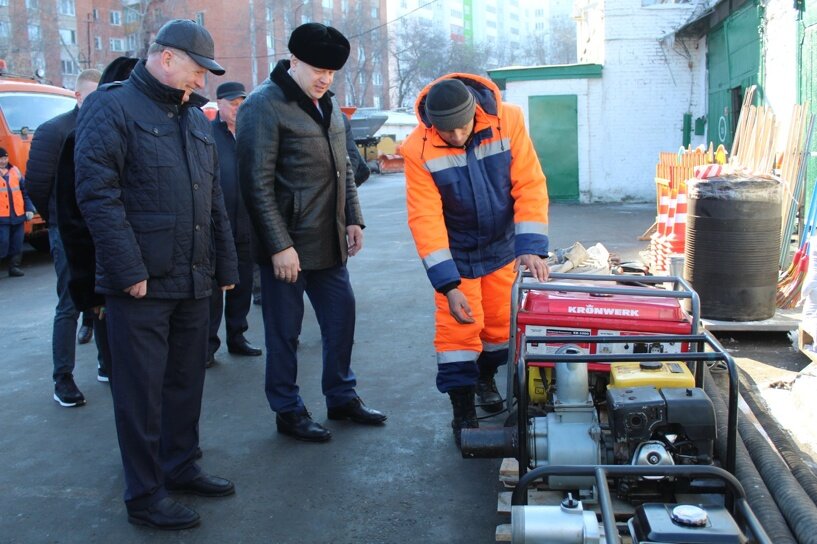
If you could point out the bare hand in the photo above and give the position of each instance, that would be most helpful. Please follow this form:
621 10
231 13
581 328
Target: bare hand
535 264
286 265
227 287
138 290
354 238
458 306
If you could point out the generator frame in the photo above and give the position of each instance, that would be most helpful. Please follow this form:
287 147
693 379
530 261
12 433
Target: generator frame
736 497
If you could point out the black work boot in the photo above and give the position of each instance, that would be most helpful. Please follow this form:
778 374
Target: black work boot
488 396
14 266
465 413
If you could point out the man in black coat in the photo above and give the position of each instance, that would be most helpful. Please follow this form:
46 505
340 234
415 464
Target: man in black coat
147 185
41 171
234 304
299 189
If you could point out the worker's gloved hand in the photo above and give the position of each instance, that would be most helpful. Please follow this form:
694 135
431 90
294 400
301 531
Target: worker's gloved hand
29 216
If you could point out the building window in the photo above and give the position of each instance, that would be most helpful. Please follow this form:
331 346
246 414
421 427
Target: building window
539 12
377 79
5 31
116 18
117 44
131 15
361 55
376 102
157 14
95 14
361 78
490 24
200 17
66 7
98 43
69 67
31 4
33 33
456 14
270 44
540 26
68 36
344 6
375 13
133 42
269 14
490 9
4 3
327 4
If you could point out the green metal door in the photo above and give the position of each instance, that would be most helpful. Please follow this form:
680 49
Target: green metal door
555 134
733 62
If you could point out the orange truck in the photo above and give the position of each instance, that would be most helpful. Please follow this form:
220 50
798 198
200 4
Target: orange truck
24 105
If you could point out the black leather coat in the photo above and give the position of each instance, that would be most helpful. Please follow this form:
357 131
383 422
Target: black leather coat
147 185
295 176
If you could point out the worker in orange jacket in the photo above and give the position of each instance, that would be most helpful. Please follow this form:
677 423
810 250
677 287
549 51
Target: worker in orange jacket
477 208
15 209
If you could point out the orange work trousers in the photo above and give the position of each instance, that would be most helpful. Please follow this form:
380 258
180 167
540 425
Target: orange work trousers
490 301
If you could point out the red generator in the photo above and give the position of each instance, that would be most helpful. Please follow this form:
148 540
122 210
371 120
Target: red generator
580 305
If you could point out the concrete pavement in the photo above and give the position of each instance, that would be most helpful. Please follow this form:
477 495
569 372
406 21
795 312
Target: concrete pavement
61 476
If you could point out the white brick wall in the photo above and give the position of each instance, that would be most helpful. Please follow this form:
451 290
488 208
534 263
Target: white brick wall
780 81
636 109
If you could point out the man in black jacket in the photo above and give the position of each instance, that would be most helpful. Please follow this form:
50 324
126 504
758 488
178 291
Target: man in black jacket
147 186
300 193
41 172
234 304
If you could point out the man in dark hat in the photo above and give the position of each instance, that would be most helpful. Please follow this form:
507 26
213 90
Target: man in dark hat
147 186
300 192
234 304
477 208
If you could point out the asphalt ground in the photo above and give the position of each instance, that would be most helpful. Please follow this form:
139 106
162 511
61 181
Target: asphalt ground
60 470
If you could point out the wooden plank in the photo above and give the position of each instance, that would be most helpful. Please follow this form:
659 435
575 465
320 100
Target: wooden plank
509 472
804 339
503 532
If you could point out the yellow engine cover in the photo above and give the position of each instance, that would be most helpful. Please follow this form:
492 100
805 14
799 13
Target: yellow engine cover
657 374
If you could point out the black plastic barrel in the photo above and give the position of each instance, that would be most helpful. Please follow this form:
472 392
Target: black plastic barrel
732 247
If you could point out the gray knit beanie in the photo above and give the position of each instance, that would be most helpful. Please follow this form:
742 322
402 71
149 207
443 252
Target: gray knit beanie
450 105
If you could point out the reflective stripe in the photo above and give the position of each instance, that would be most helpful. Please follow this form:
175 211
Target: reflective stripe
492 148
488 346
531 227
445 162
459 356
437 257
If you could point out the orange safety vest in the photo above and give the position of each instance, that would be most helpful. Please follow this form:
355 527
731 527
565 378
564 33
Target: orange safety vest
11 194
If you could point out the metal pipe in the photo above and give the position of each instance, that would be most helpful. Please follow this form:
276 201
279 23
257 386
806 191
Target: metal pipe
489 443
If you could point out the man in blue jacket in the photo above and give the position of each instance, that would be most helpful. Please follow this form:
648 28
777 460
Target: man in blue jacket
147 186
234 304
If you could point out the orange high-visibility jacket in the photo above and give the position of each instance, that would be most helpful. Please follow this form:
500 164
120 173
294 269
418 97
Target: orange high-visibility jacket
11 194
472 210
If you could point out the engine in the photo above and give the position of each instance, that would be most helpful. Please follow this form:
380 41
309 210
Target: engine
652 415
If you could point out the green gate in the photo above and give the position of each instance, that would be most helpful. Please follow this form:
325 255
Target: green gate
733 61
555 134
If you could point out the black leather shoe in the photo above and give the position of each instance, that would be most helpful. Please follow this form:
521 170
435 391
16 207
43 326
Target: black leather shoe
85 334
165 514
300 425
203 485
357 412
244 348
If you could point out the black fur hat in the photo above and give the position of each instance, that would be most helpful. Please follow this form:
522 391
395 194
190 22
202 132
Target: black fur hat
319 45
118 70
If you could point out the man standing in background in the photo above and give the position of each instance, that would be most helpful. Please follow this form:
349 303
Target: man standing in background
41 171
234 304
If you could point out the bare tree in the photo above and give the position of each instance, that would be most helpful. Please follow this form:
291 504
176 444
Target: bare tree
366 56
562 48
420 52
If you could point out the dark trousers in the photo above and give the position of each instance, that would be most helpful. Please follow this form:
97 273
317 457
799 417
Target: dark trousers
233 304
11 239
64 335
101 340
158 349
282 304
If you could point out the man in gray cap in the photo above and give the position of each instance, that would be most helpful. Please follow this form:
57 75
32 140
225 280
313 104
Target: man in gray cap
147 186
300 193
234 304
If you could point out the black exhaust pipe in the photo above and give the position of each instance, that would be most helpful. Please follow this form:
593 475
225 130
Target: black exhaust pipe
490 443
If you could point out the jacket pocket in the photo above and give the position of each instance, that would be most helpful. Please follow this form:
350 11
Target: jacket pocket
205 146
155 235
155 144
